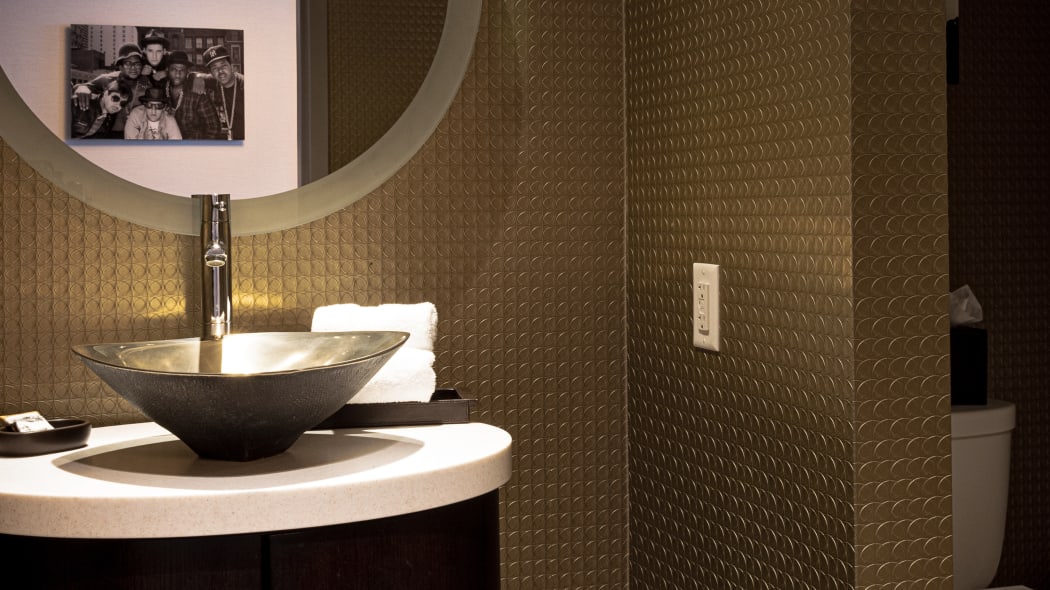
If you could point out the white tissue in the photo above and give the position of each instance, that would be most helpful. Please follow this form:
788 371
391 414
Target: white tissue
964 309
409 374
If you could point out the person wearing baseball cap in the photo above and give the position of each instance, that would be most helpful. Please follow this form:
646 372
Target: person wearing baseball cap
151 119
128 72
229 91
194 111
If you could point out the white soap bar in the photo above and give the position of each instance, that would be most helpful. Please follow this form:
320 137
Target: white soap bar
26 422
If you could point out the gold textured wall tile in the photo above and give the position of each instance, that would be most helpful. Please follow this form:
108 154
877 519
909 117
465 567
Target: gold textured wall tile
900 262
802 147
738 153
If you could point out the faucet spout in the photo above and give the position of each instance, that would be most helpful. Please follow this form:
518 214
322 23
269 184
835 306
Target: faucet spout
216 281
215 255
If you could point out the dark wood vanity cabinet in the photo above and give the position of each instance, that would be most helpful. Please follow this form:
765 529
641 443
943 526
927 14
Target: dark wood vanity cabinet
450 547
455 546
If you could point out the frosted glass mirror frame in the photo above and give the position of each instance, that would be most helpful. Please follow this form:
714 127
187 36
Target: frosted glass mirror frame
51 157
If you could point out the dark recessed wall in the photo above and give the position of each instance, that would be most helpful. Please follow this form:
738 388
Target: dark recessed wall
999 138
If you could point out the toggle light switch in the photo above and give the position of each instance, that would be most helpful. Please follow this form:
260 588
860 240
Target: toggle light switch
705 306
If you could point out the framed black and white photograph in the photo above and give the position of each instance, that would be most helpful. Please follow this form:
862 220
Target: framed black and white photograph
50 47
150 83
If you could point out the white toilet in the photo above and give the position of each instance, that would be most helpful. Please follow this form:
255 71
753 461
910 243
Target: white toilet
980 481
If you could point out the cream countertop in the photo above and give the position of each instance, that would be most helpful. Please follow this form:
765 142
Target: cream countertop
139 481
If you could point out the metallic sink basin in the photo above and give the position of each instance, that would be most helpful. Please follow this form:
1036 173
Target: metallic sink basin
245 396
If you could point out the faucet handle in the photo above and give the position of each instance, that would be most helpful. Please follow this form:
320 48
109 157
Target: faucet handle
214 208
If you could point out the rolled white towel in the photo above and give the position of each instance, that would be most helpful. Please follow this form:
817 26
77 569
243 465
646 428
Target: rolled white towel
409 374
407 377
418 319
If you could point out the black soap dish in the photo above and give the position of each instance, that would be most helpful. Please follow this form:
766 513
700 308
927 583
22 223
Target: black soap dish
67 434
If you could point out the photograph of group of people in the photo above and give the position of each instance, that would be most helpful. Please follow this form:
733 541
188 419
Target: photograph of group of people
160 84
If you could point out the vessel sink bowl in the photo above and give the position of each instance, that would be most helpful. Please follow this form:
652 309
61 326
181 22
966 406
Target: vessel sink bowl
246 396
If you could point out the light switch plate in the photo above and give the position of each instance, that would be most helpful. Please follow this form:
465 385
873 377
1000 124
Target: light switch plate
706 311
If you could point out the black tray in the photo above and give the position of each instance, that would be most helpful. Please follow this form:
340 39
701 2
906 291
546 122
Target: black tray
445 407
67 434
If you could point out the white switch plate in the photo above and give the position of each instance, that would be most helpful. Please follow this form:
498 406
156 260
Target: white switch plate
706 306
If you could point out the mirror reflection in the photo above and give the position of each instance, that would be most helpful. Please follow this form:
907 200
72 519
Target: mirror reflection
391 46
359 67
360 74
387 74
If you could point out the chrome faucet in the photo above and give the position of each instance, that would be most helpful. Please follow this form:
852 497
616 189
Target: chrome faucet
216 303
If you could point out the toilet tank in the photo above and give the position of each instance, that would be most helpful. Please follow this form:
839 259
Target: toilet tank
980 484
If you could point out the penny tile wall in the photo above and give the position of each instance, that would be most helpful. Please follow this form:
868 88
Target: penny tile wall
801 147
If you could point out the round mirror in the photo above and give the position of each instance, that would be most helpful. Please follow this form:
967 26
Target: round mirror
361 159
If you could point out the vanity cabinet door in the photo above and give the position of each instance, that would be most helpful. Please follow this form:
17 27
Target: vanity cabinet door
232 562
452 547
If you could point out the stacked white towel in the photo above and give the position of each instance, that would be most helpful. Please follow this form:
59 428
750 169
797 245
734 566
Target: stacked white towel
409 374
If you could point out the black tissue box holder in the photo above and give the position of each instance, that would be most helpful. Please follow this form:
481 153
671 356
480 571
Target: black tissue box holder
969 353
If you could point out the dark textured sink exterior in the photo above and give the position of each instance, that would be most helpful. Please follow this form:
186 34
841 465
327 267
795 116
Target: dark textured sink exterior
246 396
